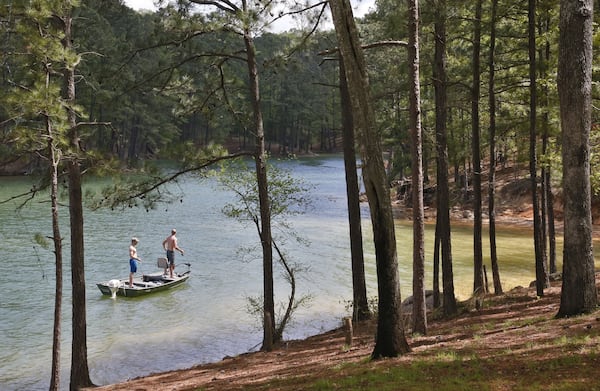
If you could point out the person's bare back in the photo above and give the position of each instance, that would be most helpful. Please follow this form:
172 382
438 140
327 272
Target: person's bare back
170 245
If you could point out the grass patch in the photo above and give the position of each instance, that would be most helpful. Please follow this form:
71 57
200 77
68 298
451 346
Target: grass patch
523 322
448 371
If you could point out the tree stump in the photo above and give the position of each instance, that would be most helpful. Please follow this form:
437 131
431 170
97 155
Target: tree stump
348 331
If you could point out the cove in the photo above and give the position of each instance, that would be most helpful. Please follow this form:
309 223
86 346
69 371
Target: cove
206 319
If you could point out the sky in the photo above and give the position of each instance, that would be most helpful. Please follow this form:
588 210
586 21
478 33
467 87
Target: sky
360 8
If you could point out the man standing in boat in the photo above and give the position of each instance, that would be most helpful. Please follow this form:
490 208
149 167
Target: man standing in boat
133 259
170 245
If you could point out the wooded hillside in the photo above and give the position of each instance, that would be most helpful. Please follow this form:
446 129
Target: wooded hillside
160 85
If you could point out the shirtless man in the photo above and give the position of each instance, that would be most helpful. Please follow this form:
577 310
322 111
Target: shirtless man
133 259
170 245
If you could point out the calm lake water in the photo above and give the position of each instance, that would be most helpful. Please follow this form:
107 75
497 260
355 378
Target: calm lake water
206 319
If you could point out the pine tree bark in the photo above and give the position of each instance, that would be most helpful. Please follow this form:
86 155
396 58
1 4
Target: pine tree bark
443 228
541 275
58 257
80 374
574 87
419 312
437 303
492 141
548 225
391 340
360 303
475 144
263 191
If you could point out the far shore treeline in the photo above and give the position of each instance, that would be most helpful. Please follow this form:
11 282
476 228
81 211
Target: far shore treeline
144 81
143 76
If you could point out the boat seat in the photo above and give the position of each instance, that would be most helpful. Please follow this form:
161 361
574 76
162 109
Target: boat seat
152 277
162 262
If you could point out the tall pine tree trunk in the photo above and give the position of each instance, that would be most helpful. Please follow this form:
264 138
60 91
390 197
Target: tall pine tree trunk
475 144
548 226
419 312
54 156
578 293
441 135
263 195
492 141
360 305
391 340
541 276
80 374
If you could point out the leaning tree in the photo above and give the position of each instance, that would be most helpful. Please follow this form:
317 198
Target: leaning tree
391 340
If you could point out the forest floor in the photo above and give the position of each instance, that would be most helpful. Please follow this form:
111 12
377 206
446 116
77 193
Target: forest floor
513 342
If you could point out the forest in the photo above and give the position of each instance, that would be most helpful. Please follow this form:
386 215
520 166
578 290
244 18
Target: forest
143 73
445 91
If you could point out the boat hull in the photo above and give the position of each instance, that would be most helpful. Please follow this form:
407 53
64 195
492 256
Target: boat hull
141 287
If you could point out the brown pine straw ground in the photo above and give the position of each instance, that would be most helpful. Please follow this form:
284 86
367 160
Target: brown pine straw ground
517 324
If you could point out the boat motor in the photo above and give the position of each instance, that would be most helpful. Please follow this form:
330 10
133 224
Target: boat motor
114 286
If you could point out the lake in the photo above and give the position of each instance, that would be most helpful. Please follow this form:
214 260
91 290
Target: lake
207 319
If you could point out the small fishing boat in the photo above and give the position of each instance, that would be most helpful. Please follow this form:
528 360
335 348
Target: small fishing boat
146 283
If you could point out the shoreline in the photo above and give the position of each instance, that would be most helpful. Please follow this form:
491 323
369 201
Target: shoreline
203 375
505 334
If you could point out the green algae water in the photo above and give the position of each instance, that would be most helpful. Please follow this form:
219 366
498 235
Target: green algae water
206 319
